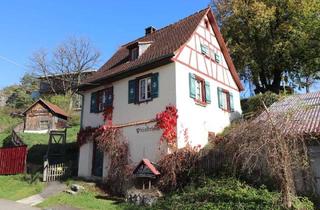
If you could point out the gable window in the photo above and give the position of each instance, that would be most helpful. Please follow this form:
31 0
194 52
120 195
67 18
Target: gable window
225 100
204 49
134 53
217 57
101 99
199 89
143 89
206 23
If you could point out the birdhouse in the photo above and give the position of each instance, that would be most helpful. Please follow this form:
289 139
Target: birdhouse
145 173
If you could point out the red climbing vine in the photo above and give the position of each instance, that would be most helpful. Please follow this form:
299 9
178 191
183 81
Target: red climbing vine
167 121
111 141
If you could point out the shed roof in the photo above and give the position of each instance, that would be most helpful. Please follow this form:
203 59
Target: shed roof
165 43
54 108
302 113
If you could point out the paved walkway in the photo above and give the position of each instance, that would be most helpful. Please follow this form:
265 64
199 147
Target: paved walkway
12 205
51 189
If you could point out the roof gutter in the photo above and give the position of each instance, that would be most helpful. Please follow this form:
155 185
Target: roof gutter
129 72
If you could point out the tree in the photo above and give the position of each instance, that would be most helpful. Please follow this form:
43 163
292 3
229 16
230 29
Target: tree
268 38
29 82
67 63
18 98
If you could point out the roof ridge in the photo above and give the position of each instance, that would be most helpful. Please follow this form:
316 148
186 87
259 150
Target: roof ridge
165 27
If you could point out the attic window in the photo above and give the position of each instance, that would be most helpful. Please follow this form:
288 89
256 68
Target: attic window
206 22
134 53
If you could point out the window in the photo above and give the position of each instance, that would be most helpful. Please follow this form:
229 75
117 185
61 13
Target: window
206 23
217 57
143 88
199 89
134 53
204 49
225 99
44 124
101 99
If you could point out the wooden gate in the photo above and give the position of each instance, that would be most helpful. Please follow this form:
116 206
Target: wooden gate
54 172
13 160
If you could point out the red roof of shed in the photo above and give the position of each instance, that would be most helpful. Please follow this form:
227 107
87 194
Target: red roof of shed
54 108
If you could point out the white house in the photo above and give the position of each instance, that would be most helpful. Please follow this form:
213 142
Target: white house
185 64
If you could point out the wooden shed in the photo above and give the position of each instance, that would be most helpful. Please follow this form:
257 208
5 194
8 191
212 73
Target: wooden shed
43 116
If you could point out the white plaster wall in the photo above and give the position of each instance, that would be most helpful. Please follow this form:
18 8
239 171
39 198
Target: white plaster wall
142 144
145 144
85 160
198 120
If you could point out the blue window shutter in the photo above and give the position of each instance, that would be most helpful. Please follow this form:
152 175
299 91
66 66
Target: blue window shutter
94 105
192 85
217 57
208 92
108 97
155 85
220 99
204 49
132 91
231 102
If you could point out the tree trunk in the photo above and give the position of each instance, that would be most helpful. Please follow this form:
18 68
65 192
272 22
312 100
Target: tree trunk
276 82
307 85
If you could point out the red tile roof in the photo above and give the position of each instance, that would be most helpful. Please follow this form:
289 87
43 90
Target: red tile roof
302 113
54 108
165 42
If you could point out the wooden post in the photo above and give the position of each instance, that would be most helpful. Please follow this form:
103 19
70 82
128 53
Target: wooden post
45 169
149 184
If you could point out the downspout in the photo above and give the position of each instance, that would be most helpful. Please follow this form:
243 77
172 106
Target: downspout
81 115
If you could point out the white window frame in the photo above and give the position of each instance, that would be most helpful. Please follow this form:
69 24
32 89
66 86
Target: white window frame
199 90
145 92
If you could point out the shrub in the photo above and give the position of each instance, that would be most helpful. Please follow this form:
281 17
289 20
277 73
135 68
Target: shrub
176 168
225 193
254 106
63 101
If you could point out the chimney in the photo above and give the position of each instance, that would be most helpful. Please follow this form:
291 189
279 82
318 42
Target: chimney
150 30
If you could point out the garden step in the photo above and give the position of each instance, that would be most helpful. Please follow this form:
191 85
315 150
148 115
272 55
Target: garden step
32 200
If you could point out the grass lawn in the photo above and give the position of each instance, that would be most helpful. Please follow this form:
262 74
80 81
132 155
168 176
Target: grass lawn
32 139
88 199
15 187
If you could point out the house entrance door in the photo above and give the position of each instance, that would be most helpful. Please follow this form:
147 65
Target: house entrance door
314 152
97 161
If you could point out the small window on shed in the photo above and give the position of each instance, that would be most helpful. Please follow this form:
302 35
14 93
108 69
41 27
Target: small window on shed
44 124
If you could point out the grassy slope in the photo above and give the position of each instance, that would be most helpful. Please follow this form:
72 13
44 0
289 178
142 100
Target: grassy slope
15 187
88 199
32 139
6 124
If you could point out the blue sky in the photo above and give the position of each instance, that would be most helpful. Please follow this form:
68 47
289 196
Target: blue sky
26 26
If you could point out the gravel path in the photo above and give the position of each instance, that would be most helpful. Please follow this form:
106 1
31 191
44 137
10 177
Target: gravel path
51 189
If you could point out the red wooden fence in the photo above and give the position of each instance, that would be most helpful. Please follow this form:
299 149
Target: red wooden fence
13 160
